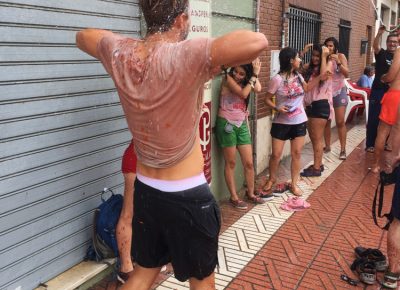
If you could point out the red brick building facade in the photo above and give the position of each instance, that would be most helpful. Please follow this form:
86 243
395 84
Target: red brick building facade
357 16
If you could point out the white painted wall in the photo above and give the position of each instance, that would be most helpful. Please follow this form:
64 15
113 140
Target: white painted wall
263 143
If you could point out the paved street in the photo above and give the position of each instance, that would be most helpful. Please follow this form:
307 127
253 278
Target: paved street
268 248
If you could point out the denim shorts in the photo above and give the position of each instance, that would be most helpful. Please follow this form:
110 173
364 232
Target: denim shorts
178 227
341 99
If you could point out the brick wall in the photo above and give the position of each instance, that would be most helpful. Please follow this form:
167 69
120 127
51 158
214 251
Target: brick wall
359 12
271 26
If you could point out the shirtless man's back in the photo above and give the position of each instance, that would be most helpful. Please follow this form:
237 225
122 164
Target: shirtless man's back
160 83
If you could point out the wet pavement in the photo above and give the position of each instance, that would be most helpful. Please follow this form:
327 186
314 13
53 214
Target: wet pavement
265 247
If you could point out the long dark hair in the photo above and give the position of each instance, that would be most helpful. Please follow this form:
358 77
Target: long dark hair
335 43
312 67
285 55
248 68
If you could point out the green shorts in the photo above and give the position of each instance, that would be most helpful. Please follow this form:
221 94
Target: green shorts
237 136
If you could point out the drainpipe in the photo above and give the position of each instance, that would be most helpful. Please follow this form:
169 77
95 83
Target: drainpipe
254 107
283 42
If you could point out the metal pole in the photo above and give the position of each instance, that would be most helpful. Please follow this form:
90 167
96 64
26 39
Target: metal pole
283 24
254 106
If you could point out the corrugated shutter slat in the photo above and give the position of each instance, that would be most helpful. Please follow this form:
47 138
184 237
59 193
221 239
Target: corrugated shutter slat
62 133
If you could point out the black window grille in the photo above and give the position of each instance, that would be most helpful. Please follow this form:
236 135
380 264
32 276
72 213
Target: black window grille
304 27
344 37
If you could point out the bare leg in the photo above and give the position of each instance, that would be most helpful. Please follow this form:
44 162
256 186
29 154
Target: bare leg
207 283
393 246
341 126
317 126
383 132
124 226
277 148
296 145
388 144
230 163
327 135
142 278
246 155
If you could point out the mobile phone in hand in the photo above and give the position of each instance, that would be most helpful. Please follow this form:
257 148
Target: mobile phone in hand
290 108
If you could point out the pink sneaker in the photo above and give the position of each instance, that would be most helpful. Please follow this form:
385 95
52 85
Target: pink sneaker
295 204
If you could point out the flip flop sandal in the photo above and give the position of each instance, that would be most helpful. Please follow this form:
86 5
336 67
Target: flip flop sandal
280 188
265 196
296 193
268 190
255 199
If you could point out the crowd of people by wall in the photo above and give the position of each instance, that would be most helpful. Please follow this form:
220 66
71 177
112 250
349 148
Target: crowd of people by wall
305 97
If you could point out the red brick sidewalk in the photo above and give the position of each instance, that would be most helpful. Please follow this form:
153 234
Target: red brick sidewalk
314 247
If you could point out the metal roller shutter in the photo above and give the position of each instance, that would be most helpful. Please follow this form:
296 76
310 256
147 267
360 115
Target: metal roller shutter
62 133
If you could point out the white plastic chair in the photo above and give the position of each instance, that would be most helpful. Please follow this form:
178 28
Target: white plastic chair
355 103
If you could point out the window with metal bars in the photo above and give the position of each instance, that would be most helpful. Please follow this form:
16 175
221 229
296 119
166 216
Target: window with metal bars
304 27
344 37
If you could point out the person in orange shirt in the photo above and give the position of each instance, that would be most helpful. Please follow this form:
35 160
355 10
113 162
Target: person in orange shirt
390 103
392 274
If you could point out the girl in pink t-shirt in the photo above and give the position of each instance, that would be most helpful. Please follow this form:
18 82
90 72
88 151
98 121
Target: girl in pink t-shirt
289 123
319 105
232 130
340 98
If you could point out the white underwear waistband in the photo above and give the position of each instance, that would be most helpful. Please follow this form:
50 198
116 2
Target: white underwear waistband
173 185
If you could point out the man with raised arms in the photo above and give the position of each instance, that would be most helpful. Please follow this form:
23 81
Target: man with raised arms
160 83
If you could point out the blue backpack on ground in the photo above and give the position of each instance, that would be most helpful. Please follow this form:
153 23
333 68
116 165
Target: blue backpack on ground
104 241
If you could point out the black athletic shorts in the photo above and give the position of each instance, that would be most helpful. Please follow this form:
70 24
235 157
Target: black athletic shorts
179 227
288 132
319 109
395 212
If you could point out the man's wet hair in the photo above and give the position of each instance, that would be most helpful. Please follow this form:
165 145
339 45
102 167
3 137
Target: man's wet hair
161 14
